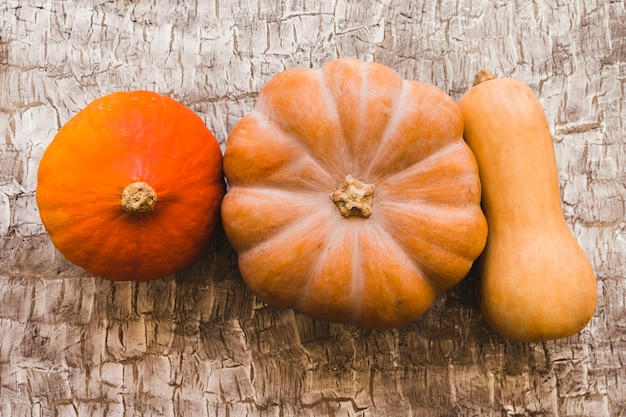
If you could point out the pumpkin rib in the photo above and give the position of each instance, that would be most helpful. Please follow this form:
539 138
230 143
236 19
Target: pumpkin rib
438 255
338 119
405 292
263 211
438 176
293 119
349 303
435 200
330 268
363 129
277 150
279 268
392 242
388 134
405 142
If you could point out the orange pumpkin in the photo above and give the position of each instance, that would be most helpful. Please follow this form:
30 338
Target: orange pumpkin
130 187
353 197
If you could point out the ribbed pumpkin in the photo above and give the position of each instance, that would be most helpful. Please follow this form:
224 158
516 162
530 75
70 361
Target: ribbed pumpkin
130 187
353 197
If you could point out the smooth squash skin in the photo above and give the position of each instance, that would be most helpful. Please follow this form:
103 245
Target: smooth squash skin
130 187
535 282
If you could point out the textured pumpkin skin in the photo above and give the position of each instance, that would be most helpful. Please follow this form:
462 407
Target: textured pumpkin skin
117 140
310 129
535 281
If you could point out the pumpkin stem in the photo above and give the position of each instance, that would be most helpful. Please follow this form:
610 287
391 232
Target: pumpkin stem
482 76
138 197
354 198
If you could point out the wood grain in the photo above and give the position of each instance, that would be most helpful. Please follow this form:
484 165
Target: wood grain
198 343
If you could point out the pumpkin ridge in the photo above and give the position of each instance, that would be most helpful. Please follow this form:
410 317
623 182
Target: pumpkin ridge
426 164
307 153
406 131
354 138
359 142
417 265
438 179
461 252
273 278
326 77
261 226
386 243
277 120
285 231
270 189
336 232
388 132
380 160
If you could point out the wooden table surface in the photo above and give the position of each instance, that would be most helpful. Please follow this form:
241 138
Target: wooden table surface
198 343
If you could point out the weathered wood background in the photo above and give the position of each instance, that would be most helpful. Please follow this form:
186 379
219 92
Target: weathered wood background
198 343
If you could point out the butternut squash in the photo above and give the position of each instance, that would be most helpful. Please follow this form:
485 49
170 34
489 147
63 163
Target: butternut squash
535 281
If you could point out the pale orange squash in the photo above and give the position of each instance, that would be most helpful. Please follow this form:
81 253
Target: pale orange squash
536 282
353 197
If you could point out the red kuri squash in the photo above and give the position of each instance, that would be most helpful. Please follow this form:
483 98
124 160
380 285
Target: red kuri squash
130 187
